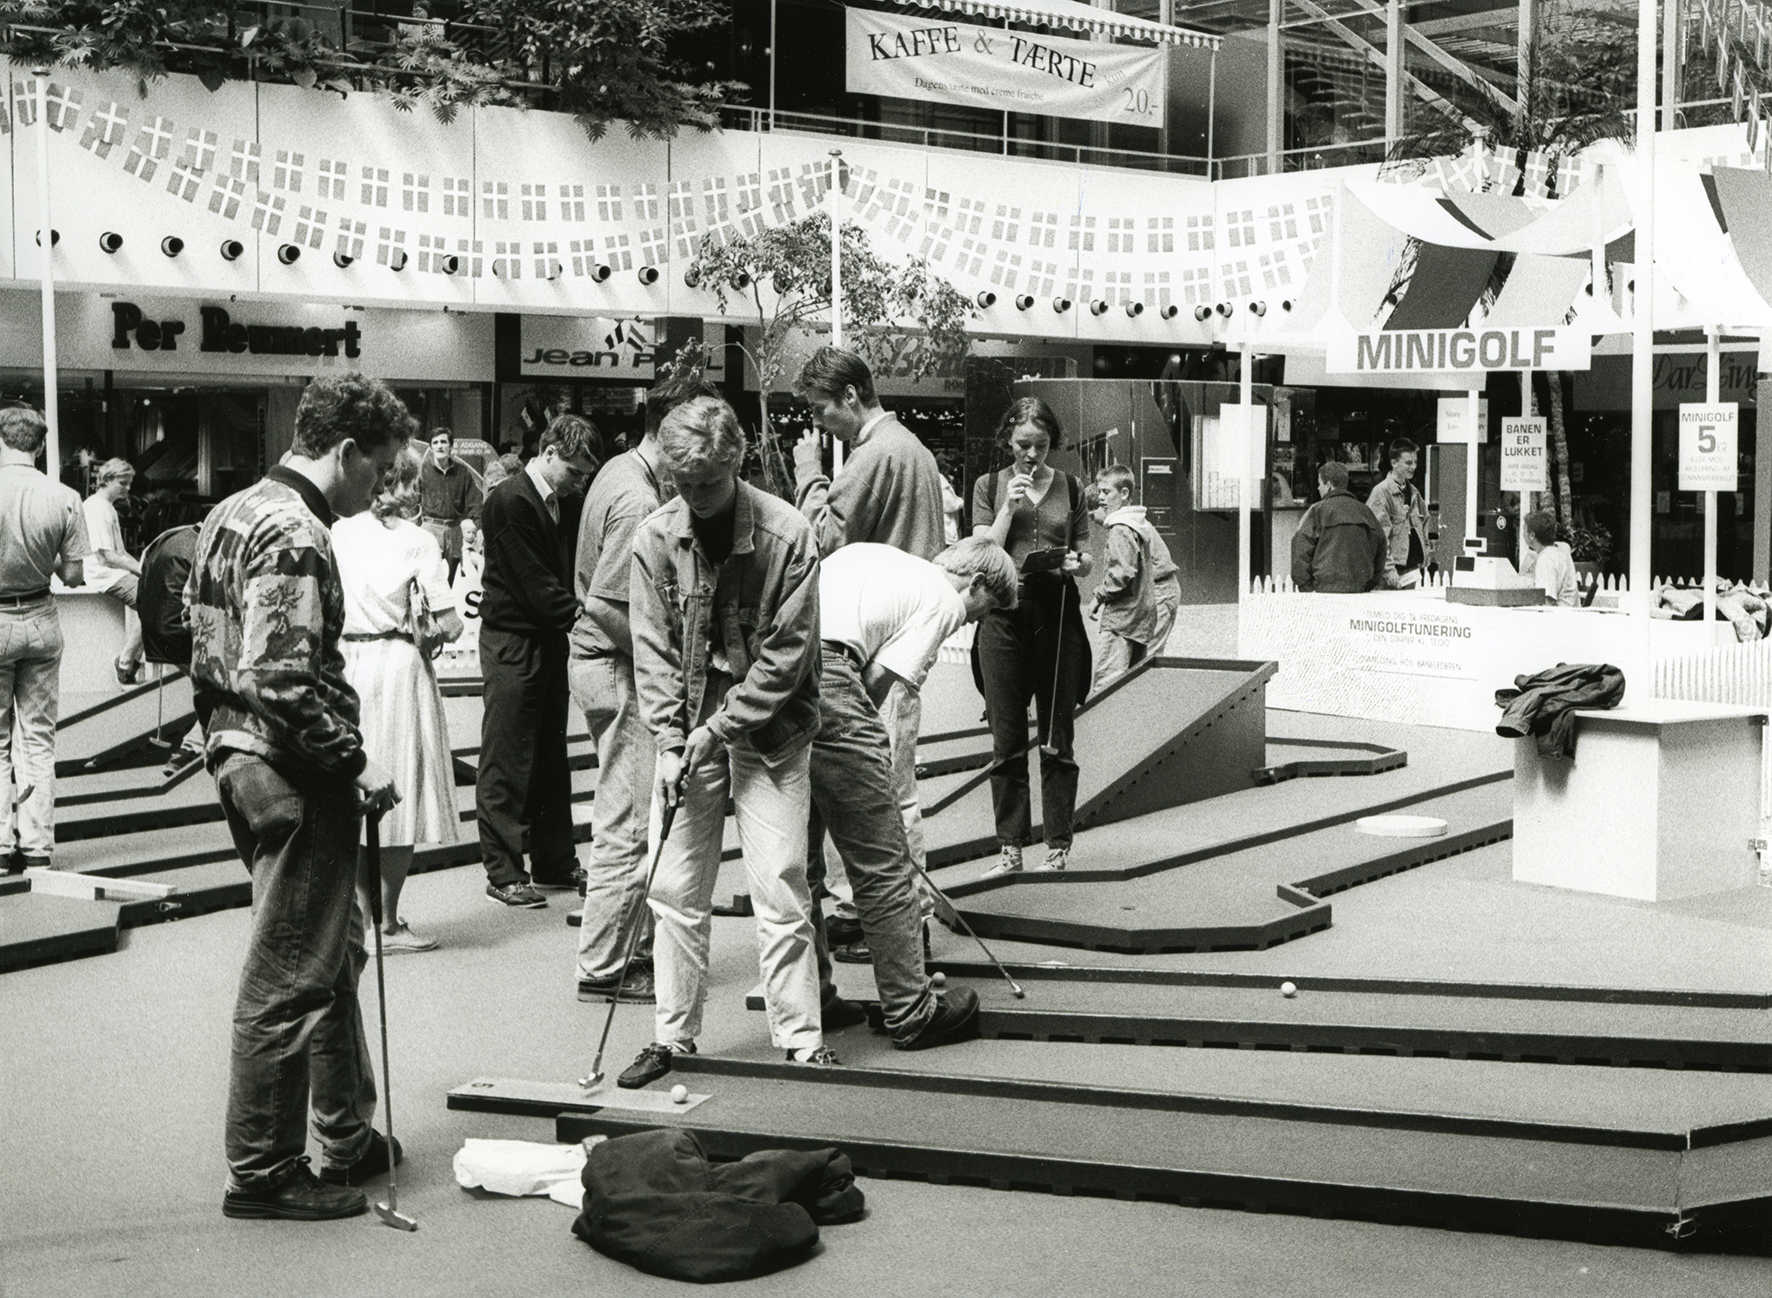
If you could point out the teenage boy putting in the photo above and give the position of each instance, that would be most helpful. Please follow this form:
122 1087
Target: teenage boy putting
1139 591
884 616
723 609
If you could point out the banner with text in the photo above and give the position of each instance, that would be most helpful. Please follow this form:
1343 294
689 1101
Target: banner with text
1015 72
1458 351
1524 465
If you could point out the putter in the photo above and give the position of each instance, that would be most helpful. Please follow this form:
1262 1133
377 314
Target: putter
389 1212
1014 987
595 1076
1048 748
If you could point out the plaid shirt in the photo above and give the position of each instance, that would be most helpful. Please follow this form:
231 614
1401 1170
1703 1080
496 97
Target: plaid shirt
266 612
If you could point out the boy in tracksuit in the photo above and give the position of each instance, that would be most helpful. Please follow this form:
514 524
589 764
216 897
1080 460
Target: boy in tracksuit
1139 590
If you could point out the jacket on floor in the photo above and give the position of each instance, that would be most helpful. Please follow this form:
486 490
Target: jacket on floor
653 1200
1544 703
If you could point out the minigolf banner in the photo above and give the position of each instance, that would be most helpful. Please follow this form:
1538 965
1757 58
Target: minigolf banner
1458 351
1015 72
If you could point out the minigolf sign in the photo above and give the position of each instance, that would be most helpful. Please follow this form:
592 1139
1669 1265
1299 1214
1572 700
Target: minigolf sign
1708 446
1458 351
1524 466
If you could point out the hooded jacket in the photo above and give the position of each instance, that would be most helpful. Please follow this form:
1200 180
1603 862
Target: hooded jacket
1338 548
1138 579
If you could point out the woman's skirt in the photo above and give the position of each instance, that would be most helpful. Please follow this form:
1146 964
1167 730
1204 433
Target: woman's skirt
404 733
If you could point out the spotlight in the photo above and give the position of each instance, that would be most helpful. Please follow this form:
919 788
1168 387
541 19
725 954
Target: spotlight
1135 309
1202 313
1097 306
985 299
554 270
231 249
649 274
741 279
55 237
692 278
1258 308
397 260
1170 311
1285 304
1061 304
601 272
172 245
288 254
110 241
342 260
449 263
1224 309
1023 301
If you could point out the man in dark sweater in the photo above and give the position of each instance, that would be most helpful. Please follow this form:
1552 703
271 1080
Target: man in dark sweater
528 527
1339 546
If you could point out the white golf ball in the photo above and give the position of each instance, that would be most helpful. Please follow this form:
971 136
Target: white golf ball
939 978
679 1094
1288 989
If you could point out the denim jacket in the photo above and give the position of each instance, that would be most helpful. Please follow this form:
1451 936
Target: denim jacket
759 608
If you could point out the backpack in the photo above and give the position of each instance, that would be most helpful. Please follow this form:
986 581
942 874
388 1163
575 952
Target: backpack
166 563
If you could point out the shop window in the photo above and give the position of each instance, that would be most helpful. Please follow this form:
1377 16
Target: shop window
374 191
287 173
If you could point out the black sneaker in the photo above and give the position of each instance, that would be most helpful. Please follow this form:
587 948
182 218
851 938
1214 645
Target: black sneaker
837 1014
821 1057
574 882
521 895
297 1196
639 989
955 1019
651 1063
373 1163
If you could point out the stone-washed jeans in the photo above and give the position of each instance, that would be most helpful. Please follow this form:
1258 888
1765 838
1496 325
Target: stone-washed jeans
30 661
615 877
298 1034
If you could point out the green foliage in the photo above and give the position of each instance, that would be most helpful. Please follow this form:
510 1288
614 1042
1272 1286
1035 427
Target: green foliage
601 60
1587 544
784 275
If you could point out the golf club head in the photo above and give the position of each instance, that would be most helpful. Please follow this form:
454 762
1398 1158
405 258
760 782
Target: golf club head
391 1217
592 1082
1048 750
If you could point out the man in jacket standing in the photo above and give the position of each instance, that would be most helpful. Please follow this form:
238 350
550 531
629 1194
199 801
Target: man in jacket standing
1403 517
1339 548
529 524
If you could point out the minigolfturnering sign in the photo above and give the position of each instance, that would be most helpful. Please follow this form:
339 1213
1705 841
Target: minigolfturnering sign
1457 351
990 67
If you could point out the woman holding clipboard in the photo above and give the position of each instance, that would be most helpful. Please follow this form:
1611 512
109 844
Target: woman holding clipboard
1037 650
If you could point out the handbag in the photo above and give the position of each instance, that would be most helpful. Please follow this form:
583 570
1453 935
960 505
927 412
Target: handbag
427 633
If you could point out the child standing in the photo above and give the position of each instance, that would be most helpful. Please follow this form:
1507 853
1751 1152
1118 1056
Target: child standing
1139 591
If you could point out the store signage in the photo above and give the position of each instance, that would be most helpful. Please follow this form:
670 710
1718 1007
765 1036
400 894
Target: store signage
1453 422
595 347
131 327
1524 464
1458 351
989 67
1708 447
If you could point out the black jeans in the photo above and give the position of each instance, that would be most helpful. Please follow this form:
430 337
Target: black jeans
524 784
1016 658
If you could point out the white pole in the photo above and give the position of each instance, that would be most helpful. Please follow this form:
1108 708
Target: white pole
1713 388
1246 479
1526 496
46 277
773 38
1473 451
836 279
1642 412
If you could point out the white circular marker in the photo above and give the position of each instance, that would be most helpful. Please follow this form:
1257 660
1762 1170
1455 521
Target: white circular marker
1401 826
679 1094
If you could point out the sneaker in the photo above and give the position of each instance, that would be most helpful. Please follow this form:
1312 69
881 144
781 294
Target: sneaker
372 1163
297 1196
521 895
1057 858
837 1014
127 673
1008 863
182 760
817 1057
403 940
652 1063
639 989
573 882
955 1019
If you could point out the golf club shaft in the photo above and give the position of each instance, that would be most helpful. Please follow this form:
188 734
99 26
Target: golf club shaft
633 917
1014 986
372 831
1064 586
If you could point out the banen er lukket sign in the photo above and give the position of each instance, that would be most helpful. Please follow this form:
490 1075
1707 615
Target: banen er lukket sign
1458 351
1008 71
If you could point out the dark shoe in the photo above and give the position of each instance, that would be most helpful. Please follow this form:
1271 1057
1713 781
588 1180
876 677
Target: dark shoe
639 989
841 930
372 1164
837 1014
13 863
651 1064
955 1019
520 894
298 1196
574 882
126 674
26 860
822 1057
182 760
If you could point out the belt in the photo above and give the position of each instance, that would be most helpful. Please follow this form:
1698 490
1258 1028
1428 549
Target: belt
378 635
29 597
843 650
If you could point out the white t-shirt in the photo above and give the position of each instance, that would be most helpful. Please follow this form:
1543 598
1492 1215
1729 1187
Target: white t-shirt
104 531
1554 570
891 607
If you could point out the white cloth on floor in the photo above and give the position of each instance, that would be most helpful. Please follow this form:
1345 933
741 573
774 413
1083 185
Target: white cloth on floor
524 1167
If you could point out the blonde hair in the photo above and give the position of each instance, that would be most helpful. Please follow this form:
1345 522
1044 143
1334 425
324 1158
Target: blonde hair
398 496
981 556
701 432
114 468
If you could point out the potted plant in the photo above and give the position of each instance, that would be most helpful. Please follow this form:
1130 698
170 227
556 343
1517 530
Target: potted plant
1590 545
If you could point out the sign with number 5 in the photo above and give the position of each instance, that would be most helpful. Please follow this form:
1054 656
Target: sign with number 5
1708 447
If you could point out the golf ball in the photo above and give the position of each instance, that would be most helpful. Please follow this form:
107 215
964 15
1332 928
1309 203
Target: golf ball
1288 989
939 979
679 1094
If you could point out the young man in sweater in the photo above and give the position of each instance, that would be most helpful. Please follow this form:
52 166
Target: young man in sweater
1339 547
524 787
1139 592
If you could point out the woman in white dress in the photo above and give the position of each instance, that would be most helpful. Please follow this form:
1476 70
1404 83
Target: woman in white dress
385 562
